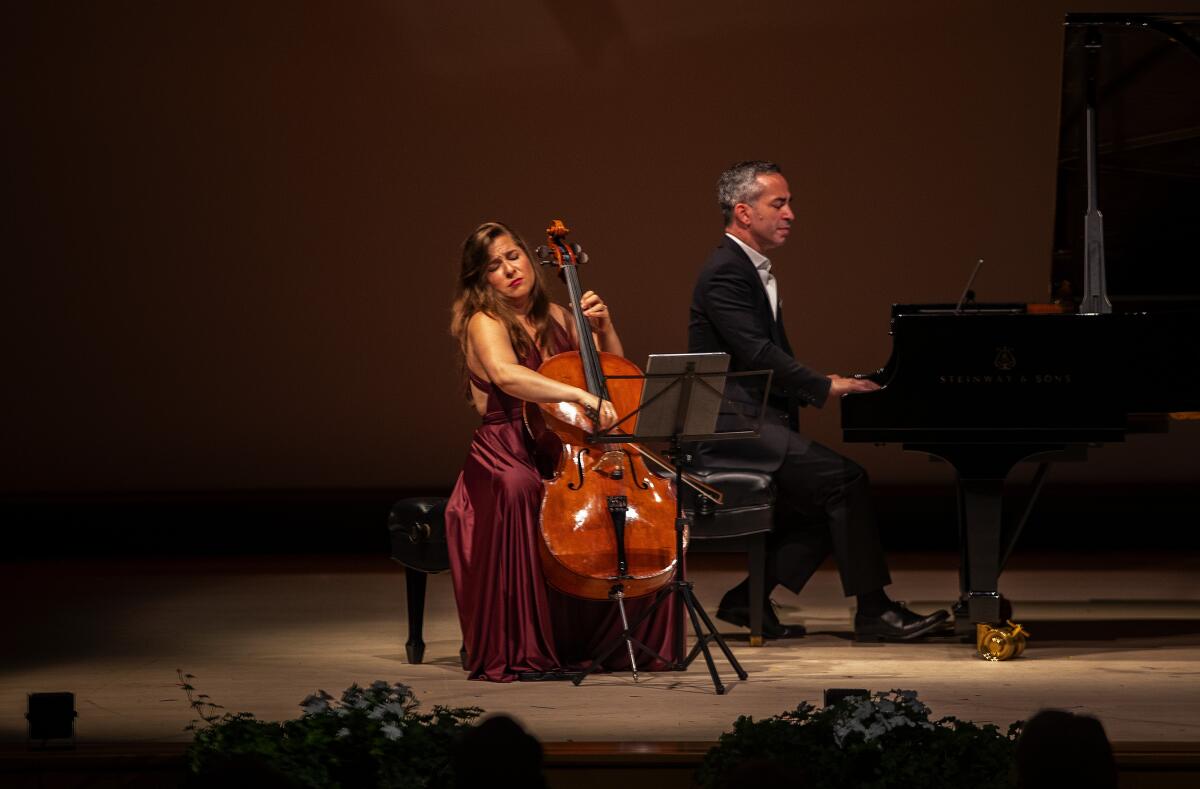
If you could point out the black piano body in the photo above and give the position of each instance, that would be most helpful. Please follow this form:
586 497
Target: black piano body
991 385
985 386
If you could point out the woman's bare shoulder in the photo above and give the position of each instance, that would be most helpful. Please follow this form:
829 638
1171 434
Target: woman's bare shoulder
482 321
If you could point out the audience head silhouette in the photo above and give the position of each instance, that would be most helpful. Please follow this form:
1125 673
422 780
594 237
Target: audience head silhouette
1060 749
498 747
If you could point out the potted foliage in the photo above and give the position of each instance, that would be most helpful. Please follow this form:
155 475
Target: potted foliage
371 736
886 741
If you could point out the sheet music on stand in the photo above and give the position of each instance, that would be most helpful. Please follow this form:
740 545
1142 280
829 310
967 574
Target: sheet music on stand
692 397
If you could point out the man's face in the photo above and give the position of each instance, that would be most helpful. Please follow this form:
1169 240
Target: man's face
769 218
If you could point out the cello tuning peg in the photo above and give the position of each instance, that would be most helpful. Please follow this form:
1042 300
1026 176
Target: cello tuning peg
581 256
576 248
544 254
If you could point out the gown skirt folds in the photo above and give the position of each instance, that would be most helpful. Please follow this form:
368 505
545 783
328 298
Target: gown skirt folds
512 620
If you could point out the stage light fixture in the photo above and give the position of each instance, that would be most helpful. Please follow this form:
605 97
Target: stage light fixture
52 716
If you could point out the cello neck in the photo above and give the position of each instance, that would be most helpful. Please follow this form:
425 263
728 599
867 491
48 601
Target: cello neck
587 347
568 260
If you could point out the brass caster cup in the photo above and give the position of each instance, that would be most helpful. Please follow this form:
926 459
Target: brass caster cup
1000 642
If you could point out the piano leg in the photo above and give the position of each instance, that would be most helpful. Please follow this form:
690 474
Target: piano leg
981 508
984 542
964 584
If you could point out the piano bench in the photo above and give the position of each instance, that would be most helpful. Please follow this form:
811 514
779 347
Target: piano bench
740 524
418 532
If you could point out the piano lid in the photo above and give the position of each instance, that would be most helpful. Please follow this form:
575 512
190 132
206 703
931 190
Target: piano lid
1147 96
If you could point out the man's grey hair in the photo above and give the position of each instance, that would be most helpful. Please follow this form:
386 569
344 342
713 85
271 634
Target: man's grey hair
739 184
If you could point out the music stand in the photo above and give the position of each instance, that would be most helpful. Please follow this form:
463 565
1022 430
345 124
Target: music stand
669 412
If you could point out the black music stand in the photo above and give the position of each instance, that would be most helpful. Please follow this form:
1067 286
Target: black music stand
664 416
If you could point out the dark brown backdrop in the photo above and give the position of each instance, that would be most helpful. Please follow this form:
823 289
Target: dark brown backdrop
233 228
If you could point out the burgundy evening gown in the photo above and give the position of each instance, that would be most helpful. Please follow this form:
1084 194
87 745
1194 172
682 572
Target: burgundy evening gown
512 620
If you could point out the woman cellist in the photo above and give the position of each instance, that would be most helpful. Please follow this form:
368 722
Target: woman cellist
515 626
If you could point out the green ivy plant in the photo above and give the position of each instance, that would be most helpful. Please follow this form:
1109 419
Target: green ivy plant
371 736
886 741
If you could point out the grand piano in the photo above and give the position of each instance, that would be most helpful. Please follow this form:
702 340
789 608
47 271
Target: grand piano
986 386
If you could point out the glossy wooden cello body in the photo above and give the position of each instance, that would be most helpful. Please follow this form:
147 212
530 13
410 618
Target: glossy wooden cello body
606 520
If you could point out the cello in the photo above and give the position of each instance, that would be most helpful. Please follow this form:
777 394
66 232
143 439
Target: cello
607 523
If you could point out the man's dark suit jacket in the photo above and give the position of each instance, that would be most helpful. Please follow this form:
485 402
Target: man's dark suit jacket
732 313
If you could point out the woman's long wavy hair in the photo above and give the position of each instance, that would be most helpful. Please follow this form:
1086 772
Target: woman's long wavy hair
473 294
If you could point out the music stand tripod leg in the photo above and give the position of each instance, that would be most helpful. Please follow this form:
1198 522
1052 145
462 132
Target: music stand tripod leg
703 644
696 613
716 637
683 587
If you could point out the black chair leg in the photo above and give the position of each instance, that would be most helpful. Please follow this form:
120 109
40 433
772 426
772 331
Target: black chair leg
462 655
758 601
415 581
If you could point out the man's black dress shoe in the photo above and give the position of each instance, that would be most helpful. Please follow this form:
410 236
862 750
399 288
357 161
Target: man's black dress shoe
897 624
772 628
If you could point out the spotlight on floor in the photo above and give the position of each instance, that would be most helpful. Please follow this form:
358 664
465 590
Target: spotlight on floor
834 695
51 719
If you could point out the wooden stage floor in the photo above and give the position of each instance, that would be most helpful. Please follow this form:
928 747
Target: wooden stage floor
1117 636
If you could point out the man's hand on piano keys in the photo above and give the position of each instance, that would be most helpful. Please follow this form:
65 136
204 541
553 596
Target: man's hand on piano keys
839 386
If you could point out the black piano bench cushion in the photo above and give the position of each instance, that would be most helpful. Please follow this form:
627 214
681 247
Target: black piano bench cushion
418 530
748 507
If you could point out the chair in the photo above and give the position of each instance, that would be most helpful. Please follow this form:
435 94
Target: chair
741 523
418 532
